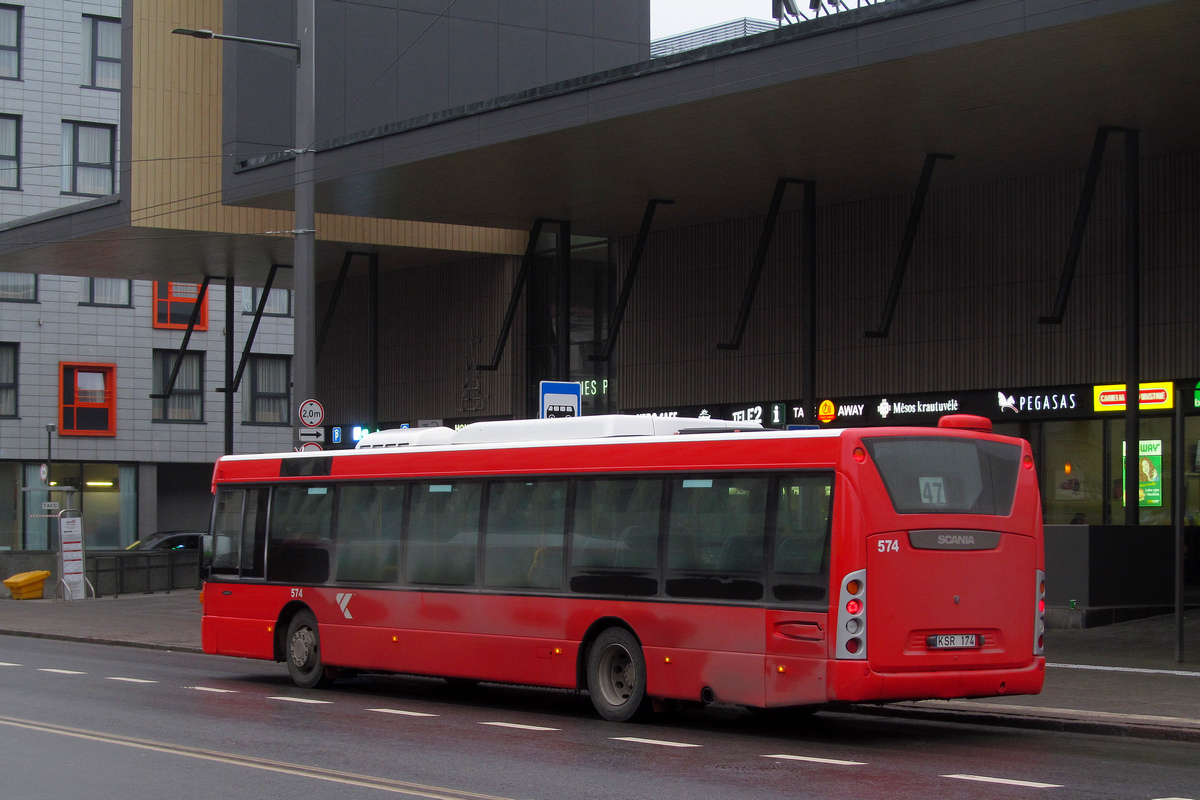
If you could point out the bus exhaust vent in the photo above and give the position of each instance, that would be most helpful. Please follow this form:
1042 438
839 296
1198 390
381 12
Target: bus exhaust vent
602 426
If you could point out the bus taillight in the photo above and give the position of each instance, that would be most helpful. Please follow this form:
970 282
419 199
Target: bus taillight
852 616
1039 615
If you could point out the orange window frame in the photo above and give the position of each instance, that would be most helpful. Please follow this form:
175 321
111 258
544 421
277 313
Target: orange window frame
173 304
97 413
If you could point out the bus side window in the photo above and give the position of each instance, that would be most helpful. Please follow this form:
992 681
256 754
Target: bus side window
523 543
614 541
227 531
298 544
802 533
715 536
443 533
368 532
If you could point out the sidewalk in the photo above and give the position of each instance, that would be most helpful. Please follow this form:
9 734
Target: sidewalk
1117 679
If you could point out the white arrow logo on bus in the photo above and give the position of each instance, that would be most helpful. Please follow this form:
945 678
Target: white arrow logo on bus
343 601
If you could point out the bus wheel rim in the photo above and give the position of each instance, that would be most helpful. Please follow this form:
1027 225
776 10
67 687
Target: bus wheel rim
304 647
618 675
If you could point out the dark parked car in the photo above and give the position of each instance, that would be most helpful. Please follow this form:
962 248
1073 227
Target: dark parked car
174 540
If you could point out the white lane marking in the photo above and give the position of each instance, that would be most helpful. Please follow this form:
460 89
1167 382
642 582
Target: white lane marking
63 671
8 664
815 760
131 680
308 700
1136 670
519 727
211 689
1006 781
1048 711
1173 798
401 713
395 787
659 742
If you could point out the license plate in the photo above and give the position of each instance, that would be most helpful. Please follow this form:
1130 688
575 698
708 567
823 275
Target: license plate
952 641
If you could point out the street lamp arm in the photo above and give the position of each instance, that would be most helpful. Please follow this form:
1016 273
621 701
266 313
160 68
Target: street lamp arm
205 33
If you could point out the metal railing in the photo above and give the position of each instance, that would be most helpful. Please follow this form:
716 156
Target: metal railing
143 573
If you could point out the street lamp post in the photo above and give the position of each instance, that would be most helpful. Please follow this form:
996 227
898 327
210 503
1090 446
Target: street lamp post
304 345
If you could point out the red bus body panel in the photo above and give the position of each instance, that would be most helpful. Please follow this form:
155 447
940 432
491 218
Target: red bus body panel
759 655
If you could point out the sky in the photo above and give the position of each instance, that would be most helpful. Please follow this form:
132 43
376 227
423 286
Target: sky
669 17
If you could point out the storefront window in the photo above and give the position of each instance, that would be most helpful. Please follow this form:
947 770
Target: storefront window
1072 472
105 493
1154 471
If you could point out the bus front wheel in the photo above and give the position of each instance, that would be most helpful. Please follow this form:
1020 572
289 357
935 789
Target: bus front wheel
303 652
616 676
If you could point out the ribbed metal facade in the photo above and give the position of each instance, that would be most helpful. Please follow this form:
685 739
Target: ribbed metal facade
433 322
985 266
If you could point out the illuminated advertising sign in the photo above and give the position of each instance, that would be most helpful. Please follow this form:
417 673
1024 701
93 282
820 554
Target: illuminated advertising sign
1151 397
1150 479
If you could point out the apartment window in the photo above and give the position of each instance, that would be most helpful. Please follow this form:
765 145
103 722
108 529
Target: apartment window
186 403
104 292
173 304
10 42
18 286
89 158
279 302
10 151
88 394
102 53
267 403
8 379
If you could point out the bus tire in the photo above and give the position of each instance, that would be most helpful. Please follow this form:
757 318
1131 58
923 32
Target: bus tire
616 676
302 651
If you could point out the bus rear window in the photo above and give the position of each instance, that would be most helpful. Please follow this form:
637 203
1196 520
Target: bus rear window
943 475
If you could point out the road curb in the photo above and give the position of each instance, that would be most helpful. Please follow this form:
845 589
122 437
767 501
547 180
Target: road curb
62 637
1114 726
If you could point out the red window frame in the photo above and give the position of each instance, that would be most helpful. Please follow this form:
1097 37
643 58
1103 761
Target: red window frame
173 304
98 414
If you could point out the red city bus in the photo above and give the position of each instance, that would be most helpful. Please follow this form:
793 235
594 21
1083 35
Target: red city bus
647 560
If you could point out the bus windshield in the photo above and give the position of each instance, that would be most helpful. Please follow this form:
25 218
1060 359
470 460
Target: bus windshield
941 475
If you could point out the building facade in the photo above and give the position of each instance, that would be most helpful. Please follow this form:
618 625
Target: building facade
84 360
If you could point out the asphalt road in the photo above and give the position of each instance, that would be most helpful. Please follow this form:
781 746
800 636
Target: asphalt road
110 722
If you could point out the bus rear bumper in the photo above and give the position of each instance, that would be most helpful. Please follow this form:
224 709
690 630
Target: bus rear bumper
856 682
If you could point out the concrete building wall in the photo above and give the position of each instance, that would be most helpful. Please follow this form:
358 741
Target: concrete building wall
58 329
381 62
51 90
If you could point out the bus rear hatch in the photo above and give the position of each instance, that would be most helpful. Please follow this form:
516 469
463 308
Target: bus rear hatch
950 599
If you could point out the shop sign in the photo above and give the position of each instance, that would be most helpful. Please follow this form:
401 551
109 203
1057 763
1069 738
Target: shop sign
1151 397
1150 481
777 414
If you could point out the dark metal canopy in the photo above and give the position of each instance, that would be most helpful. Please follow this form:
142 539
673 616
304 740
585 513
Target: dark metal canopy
853 101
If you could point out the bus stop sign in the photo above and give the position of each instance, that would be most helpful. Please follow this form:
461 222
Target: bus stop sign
560 399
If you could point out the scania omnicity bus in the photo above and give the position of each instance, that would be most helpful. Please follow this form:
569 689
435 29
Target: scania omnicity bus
649 561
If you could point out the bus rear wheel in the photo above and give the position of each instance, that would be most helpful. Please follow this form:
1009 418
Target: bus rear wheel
303 652
616 676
